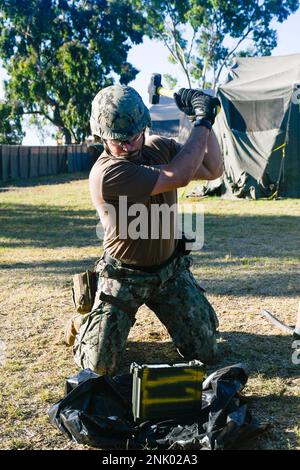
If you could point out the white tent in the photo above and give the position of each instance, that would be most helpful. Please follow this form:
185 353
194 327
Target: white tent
168 121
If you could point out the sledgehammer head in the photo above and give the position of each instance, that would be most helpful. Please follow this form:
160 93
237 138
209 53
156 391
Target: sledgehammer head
155 82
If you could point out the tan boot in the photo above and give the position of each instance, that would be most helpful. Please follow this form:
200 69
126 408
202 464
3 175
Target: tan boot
72 328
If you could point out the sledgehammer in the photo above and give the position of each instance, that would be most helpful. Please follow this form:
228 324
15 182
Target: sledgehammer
156 90
295 332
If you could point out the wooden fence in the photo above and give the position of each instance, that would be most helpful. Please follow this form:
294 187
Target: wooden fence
18 161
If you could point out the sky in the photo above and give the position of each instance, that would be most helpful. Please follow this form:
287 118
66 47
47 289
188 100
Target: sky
152 57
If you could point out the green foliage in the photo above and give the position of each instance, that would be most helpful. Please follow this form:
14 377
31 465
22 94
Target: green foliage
10 124
170 81
208 23
59 53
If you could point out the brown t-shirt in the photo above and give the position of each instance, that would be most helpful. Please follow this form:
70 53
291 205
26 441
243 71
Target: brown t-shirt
137 229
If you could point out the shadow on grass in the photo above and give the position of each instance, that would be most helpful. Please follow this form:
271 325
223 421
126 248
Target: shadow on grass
247 238
43 180
269 356
235 243
251 236
259 283
58 269
250 255
47 226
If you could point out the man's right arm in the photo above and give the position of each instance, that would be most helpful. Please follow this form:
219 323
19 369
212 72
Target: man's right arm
189 160
180 171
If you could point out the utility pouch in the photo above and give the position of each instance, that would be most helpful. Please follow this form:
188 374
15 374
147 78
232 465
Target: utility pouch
84 291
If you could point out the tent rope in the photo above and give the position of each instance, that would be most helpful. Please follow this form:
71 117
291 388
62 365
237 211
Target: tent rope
283 146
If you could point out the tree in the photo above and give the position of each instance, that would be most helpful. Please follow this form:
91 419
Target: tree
10 124
211 24
59 53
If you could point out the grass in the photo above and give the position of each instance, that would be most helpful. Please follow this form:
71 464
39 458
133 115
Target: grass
250 260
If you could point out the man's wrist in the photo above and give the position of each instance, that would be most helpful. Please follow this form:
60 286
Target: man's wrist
202 122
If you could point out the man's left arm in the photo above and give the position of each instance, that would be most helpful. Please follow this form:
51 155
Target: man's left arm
212 165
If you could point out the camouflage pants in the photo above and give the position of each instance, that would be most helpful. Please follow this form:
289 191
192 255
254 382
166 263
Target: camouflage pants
172 293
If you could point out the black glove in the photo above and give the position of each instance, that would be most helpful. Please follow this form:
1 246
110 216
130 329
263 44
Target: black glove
205 107
197 104
183 101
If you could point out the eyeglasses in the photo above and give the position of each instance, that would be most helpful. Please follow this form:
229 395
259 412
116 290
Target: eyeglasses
120 143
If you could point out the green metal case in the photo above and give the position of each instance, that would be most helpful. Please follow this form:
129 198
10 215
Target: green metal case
164 391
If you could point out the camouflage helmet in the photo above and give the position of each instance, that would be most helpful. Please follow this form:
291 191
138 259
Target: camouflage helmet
118 112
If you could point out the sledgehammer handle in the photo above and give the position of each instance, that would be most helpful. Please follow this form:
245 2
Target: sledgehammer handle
164 92
297 326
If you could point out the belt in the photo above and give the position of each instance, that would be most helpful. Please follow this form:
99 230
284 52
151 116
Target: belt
148 269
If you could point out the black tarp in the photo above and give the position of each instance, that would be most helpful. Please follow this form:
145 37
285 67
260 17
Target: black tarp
97 411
